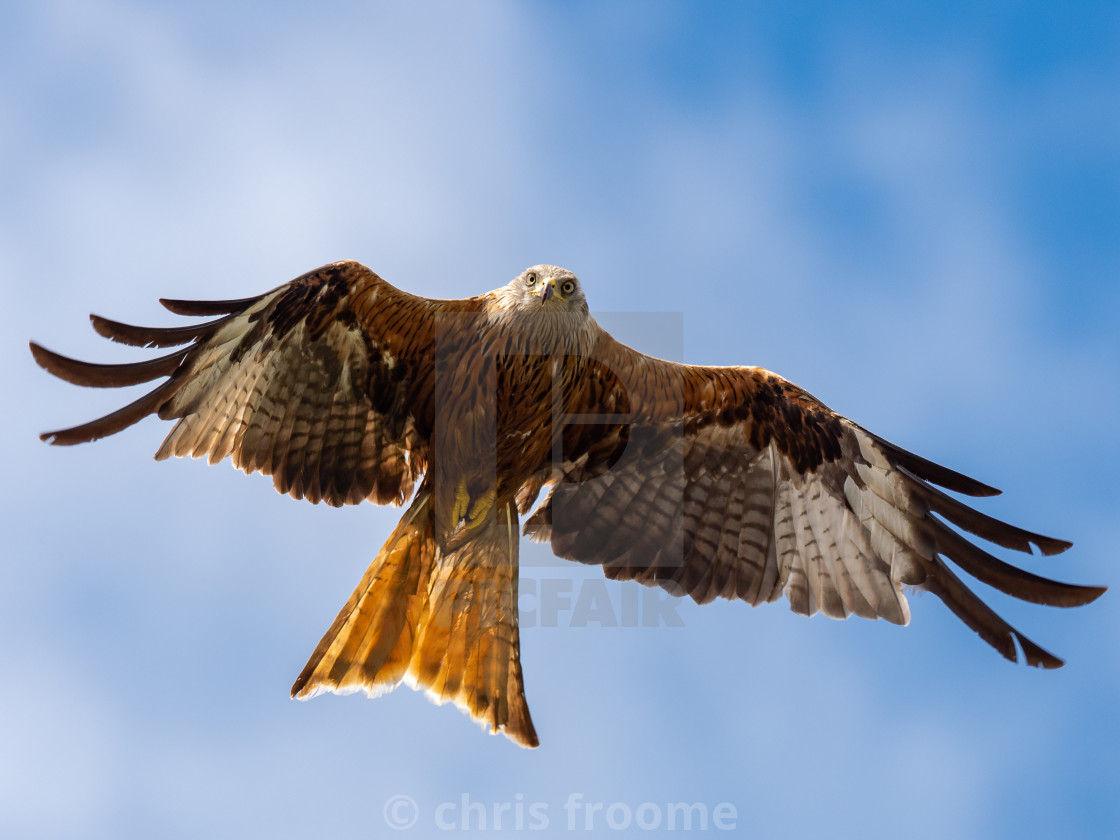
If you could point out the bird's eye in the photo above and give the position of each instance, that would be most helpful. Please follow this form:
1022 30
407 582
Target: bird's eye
531 279
568 287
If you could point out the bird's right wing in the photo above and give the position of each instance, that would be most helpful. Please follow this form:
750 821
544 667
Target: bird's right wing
324 383
733 482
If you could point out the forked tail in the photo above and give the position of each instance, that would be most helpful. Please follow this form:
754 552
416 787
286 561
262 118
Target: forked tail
446 623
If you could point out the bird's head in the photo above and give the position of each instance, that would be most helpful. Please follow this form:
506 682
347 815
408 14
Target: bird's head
546 288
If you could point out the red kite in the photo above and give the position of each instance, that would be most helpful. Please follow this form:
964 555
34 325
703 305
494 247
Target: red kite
710 481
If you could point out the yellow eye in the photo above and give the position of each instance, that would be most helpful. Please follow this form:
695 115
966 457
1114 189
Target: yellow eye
568 287
531 279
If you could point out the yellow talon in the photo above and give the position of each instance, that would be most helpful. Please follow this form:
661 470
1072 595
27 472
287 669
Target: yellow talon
462 500
471 515
480 508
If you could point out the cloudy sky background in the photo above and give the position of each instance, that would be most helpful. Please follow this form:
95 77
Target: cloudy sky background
913 216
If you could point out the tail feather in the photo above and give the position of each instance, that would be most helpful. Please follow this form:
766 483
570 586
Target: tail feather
369 644
467 648
445 623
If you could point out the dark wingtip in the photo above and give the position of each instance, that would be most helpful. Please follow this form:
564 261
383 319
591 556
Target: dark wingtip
1036 656
934 472
1050 546
153 336
970 609
1009 579
105 376
64 437
980 524
1039 658
40 353
112 423
1092 593
205 308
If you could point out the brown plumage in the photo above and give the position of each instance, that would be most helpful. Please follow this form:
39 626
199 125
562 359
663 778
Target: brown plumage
708 481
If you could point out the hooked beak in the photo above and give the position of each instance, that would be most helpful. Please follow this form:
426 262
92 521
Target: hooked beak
548 289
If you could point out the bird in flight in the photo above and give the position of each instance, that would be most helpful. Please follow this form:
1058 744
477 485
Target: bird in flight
707 481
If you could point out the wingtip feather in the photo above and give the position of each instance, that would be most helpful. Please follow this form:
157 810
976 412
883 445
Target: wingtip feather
933 472
94 375
207 307
112 423
152 336
1050 546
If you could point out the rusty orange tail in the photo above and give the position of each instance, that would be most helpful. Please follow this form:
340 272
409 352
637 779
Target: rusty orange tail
437 621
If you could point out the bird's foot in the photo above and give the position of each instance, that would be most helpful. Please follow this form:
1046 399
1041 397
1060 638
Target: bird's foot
462 502
481 509
471 515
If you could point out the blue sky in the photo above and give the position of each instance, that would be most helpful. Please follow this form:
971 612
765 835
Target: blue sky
913 214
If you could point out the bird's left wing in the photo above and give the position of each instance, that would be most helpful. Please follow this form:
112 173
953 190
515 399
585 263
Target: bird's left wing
733 482
324 383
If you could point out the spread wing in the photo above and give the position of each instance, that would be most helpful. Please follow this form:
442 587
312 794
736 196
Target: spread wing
324 383
733 482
